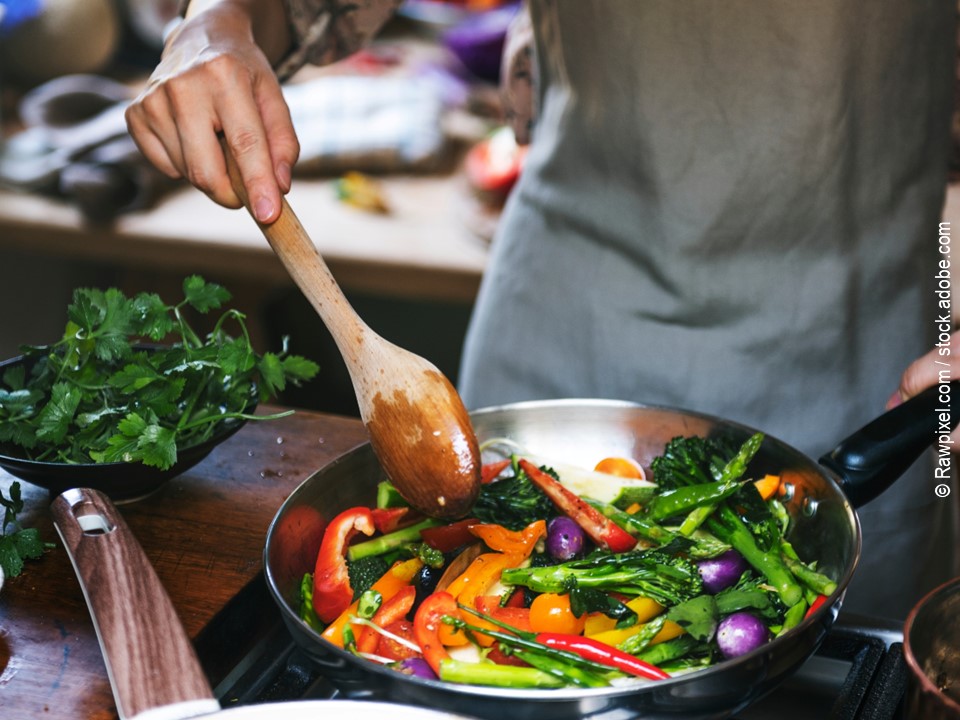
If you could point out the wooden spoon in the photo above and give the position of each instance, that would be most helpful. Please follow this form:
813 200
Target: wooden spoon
418 425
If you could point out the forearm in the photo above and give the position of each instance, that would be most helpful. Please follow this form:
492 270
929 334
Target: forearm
265 20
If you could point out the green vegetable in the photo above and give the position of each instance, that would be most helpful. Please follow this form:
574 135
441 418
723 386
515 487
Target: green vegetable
95 395
818 582
306 611
431 557
699 616
19 543
589 600
690 461
569 673
388 496
365 572
728 526
669 650
731 472
648 631
668 580
391 541
468 673
684 499
513 502
368 603
634 524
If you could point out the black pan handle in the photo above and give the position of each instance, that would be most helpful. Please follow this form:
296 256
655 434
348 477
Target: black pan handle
872 458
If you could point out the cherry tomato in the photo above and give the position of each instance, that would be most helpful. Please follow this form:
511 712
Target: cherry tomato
621 467
390 648
550 612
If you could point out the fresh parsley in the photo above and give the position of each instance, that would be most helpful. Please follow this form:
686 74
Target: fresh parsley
16 543
100 394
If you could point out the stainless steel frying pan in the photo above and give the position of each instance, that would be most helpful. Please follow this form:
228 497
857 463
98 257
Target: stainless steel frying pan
820 499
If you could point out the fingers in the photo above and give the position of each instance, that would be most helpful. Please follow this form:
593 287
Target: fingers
176 123
926 371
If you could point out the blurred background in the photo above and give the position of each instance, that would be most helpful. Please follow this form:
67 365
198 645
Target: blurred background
404 170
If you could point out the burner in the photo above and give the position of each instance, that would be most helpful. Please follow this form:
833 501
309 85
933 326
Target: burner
858 673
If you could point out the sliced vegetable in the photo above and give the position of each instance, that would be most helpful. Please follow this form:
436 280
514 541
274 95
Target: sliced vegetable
426 628
512 542
399 575
392 541
332 593
390 611
768 486
397 642
604 532
449 537
491 471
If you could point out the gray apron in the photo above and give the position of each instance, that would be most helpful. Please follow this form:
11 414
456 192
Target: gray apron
732 207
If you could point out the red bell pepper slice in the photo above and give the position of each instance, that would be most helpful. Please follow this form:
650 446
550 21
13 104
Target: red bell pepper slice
389 612
602 653
332 593
387 520
603 531
446 538
427 623
491 471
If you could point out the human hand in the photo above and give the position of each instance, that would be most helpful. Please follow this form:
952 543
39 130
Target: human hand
215 77
933 368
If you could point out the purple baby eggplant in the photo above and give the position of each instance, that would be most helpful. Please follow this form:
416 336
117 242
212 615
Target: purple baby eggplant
740 633
722 571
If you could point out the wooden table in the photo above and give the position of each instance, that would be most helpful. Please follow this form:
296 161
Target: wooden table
204 533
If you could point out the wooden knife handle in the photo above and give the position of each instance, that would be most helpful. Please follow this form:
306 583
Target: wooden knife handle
150 660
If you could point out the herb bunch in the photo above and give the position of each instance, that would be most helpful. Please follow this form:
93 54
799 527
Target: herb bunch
100 394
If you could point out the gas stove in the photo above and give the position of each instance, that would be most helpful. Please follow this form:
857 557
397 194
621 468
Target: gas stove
858 673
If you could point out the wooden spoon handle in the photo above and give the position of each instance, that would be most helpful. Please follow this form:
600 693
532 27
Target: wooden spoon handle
306 266
149 658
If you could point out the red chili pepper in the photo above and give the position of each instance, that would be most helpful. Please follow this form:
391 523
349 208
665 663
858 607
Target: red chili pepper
603 531
390 611
332 593
449 537
602 653
490 471
427 623
815 605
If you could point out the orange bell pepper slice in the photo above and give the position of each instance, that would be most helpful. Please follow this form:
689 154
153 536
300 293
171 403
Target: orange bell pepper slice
514 542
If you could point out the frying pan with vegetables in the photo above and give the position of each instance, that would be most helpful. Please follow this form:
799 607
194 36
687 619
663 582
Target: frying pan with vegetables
818 496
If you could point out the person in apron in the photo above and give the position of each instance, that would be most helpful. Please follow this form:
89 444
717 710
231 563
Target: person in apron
731 208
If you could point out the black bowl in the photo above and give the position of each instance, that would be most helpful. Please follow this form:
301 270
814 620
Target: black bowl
120 481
